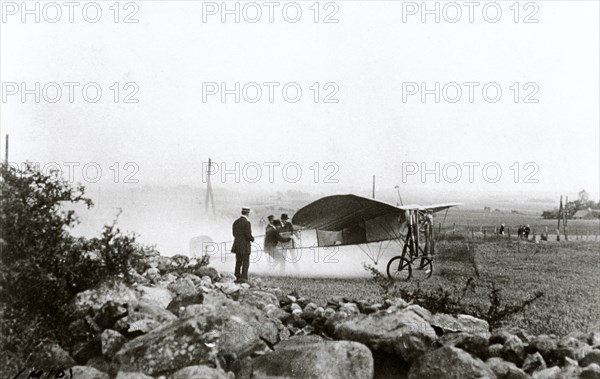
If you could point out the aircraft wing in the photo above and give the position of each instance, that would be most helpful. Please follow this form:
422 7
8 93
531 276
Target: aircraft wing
337 212
438 207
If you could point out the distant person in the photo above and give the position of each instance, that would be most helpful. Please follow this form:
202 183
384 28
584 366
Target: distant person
501 230
242 237
428 231
274 238
526 231
269 246
286 224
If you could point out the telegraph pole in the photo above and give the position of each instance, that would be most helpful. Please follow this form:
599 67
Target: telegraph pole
373 186
209 191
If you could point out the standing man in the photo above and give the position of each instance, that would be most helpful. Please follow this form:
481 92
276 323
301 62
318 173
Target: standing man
242 237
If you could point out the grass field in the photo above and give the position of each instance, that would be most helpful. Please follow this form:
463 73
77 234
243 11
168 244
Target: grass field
567 273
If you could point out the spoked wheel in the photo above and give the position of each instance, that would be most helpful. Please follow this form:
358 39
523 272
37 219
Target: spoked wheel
423 268
398 268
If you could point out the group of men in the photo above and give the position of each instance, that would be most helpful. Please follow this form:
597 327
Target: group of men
278 238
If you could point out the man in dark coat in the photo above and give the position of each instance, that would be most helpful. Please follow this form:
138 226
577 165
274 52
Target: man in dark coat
242 237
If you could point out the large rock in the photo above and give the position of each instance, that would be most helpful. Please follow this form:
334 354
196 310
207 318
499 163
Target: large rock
514 350
88 373
548 373
191 341
474 344
155 295
308 357
110 342
403 333
591 357
182 301
239 339
505 370
447 363
51 356
183 287
543 344
168 348
259 299
461 323
132 375
590 372
95 298
534 362
201 371
153 311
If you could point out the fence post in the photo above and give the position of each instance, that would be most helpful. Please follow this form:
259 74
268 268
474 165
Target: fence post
472 234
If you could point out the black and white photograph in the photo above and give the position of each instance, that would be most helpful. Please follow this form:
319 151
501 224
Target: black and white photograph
346 189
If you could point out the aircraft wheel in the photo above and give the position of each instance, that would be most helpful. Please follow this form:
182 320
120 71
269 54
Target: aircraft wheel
423 268
398 268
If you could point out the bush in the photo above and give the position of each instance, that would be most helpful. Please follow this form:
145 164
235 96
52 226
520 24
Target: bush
42 266
451 300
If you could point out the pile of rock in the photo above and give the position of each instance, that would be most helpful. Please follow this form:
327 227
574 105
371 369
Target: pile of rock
203 325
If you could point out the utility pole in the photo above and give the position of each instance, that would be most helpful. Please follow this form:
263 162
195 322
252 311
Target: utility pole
209 191
560 211
565 214
373 186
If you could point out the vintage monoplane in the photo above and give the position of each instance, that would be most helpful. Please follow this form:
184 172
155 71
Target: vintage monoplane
341 220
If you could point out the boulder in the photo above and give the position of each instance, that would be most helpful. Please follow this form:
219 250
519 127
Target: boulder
505 370
182 301
102 364
533 362
594 339
474 344
51 356
210 272
153 311
259 299
183 287
239 338
514 350
548 373
84 351
110 342
495 350
460 323
136 324
542 344
350 309
155 295
309 357
95 298
405 334
591 357
109 313
590 372
201 371
175 345
132 375
87 373
449 362
500 336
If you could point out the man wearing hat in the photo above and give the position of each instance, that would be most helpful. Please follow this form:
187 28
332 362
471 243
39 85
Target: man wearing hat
242 237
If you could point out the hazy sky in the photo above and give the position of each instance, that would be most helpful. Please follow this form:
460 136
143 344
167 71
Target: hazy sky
367 56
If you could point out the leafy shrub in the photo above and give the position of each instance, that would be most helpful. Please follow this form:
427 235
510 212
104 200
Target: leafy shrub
451 300
42 266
